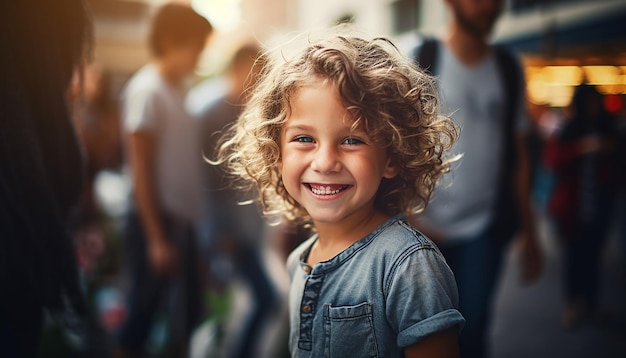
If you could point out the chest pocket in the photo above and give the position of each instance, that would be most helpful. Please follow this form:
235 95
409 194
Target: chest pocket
349 331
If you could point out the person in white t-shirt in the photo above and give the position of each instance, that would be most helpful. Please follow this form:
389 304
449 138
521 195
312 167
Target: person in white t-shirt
486 199
164 155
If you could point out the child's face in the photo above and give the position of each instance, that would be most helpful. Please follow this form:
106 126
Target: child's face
328 167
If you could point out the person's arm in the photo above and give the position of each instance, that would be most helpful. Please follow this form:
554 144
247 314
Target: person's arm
531 259
442 344
141 157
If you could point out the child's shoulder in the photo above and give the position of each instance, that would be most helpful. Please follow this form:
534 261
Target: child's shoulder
397 235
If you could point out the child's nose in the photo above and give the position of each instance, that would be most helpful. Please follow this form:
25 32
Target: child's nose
326 160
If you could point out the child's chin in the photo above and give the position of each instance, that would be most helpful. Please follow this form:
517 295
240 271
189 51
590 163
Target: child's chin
325 218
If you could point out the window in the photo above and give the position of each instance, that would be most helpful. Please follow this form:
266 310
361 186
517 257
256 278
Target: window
405 15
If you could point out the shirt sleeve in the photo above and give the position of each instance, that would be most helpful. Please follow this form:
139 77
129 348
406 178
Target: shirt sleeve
139 110
422 297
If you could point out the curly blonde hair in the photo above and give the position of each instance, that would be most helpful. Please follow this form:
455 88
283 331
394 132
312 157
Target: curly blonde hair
394 101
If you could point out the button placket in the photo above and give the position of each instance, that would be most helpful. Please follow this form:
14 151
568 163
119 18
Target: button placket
310 297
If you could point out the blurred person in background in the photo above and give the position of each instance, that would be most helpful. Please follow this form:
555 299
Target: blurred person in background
486 200
163 150
620 121
583 157
41 169
546 121
238 232
96 119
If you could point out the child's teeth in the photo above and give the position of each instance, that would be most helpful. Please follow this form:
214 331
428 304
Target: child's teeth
324 190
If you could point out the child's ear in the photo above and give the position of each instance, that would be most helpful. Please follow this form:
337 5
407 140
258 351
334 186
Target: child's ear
391 170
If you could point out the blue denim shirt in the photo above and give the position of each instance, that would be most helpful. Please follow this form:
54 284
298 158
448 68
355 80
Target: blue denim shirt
377 297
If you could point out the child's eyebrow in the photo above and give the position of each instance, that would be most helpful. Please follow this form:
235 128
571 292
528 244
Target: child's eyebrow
302 127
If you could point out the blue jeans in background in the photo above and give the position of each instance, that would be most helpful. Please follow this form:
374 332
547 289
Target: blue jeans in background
476 264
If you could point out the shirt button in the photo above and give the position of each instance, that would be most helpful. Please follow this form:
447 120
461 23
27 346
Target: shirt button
306 308
307 269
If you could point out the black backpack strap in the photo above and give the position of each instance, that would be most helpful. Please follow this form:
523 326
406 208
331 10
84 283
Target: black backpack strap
509 69
425 55
506 221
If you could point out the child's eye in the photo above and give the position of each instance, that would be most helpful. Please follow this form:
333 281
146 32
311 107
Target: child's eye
303 139
352 141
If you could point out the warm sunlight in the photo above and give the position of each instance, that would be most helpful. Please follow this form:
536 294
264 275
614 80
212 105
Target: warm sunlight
223 14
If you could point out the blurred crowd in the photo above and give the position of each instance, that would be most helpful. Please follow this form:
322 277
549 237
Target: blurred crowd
185 269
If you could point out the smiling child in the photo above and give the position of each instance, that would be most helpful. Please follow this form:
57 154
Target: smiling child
346 137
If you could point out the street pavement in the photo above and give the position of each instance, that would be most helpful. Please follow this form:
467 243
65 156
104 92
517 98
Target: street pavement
527 319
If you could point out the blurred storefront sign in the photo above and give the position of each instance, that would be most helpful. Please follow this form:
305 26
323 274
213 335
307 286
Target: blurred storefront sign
566 43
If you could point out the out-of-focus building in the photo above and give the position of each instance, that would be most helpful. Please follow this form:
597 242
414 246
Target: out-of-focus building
121 29
562 42
567 42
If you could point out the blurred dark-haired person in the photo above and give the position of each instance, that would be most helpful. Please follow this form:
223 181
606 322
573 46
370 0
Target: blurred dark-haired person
584 159
41 168
238 234
163 151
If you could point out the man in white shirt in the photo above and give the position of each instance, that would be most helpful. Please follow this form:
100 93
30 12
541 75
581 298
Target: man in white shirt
476 208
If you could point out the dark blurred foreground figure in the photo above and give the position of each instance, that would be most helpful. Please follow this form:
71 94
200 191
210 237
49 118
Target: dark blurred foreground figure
584 159
485 202
41 171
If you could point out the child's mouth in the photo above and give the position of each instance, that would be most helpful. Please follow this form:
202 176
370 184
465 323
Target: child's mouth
327 189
